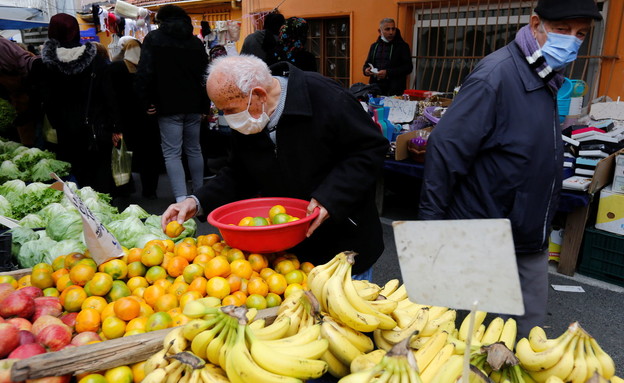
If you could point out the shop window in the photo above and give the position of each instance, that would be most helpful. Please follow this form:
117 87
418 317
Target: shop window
449 40
329 41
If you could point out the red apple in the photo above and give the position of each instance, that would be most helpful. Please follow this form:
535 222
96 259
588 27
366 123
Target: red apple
47 306
5 370
69 319
32 291
55 336
26 337
20 323
43 322
85 337
5 290
51 379
27 350
9 338
17 304
68 346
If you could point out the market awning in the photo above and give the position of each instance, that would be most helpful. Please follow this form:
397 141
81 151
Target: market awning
20 24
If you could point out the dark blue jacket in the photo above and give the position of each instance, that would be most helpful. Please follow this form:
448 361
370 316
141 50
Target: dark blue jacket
497 152
328 148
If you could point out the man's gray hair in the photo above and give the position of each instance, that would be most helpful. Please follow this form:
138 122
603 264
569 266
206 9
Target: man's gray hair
386 21
245 71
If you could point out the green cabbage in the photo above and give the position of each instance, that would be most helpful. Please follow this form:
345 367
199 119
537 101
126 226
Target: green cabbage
127 230
13 189
28 158
32 221
20 235
67 246
37 251
42 169
133 210
52 210
33 198
64 226
142 239
9 171
5 207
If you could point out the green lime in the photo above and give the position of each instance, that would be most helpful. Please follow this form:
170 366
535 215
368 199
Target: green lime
280 218
259 221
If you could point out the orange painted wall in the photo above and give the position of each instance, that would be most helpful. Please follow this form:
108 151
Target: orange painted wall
364 16
612 70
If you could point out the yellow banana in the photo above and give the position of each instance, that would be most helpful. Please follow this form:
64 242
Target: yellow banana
367 361
175 374
291 302
479 333
593 364
463 329
417 342
227 346
460 345
399 294
608 367
155 376
380 342
436 311
271 359
200 342
195 376
402 317
561 369
209 376
339 345
554 379
306 336
335 367
579 372
338 304
389 287
251 314
493 331
433 324
212 351
448 372
175 341
616 379
317 280
416 326
322 269
537 361
367 290
429 350
384 306
361 341
295 321
242 368
538 339
199 309
257 324
509 333
157 360
196 326
275 330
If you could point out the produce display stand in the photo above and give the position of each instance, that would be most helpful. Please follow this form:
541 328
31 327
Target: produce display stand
102 355
17 274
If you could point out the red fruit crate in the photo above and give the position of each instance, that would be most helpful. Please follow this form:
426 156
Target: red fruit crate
603 256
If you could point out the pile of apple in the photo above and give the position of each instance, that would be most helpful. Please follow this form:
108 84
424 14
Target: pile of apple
33 324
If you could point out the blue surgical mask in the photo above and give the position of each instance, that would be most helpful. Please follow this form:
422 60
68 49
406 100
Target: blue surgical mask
559 50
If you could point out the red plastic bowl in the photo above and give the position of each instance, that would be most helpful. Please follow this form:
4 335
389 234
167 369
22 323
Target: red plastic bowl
262 239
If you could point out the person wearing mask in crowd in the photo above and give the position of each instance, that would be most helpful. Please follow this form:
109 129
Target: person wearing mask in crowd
72 88
262 42
291 45
283 148
138 129
389 60
497 152
170 83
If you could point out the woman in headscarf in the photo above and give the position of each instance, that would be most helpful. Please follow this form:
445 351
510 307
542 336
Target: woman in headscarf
71 82
138 129
291 45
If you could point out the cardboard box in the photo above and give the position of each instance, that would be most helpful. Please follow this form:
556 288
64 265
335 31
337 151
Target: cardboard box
610 215
618 174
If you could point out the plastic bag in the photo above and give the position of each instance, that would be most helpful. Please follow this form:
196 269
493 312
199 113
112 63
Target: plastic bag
121 163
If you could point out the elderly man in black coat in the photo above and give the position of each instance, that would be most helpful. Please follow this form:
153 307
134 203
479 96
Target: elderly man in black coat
297 134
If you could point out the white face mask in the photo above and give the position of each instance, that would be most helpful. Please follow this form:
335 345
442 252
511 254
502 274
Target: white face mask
244 123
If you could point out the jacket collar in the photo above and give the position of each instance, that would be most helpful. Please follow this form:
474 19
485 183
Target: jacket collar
297 98
69 61
529 78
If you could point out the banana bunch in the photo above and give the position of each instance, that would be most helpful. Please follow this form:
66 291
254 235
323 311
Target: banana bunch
499 330
344 302
300 309
289 360
397 365
344 345
573 357
181 367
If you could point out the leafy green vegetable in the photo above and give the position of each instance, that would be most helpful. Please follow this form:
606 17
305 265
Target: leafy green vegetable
29 158
13 189
9 171
35 197
142 239
64 226
52 210
21 235
133 210
36 251
5 207
127 230
42 169
32 221
67 246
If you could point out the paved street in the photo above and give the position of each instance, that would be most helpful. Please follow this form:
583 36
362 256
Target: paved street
600 309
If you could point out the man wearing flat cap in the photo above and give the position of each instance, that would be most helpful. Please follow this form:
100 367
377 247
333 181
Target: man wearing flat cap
498 152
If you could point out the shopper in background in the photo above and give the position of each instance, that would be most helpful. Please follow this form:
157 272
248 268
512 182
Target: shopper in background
170 83
262 42
498 153
72 88
389 60
291 45
139 130
283 147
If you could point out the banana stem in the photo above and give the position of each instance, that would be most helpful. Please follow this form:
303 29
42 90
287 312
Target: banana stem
466 369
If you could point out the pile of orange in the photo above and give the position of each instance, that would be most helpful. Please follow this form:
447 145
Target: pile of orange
147 288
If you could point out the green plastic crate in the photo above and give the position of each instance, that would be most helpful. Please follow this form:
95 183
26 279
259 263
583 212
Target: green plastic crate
603 256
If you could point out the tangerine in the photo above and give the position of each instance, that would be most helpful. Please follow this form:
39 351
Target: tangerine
72 258
257 261
108 311
176 265
58 274
174 229
138 323
235 282
295 276
231 300
116 268
217 267
257 286
256 301
242 268
72 298
284 266
118 290
88 319
63 282
146 310
121 374
178 288
217 287
240 295
152 255
306 267
51 292
166 302
100 284
138 371
25 281
273 300
136 282
233 254
113 327
277 283
164 283
292 288
186 249
152 293
189 296
136 269
208 239
198 284
127 308
94 302
58 263
41 278
158 321
134 255
155 273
